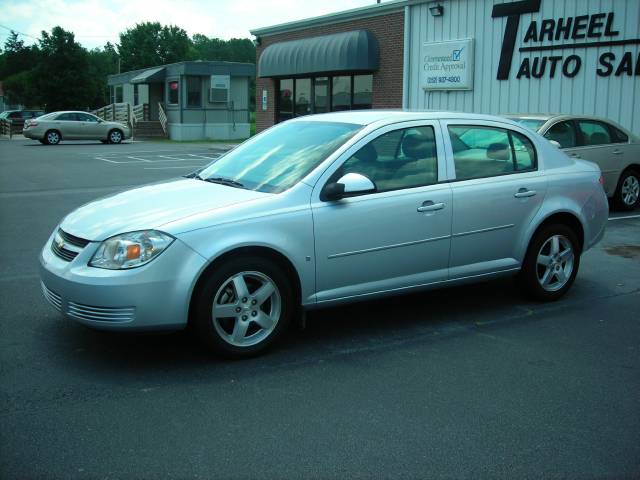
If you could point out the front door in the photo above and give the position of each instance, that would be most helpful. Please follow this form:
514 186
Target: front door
395 237
497 191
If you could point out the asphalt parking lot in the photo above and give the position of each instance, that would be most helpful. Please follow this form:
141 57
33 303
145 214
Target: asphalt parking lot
468 382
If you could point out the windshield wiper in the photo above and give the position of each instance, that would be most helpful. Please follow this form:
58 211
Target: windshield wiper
224 181
193 175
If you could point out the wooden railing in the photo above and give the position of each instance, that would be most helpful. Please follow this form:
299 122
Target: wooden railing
141 112
11 127
115 112
163 117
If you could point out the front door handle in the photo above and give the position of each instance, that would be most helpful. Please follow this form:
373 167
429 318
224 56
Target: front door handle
429 206
617 152
575 155
524 192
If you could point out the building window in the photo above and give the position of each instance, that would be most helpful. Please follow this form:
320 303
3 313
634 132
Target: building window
136 96
194 92
321 94
362 92
118 94
302 96
173 93
341 93
285 100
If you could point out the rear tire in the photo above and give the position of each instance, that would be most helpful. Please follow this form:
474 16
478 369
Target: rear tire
551 263
52 137
243 307
115 136
627 196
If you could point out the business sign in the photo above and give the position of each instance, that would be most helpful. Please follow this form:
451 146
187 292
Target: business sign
596 30
447 65
265 99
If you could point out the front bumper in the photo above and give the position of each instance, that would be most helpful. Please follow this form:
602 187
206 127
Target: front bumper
155 296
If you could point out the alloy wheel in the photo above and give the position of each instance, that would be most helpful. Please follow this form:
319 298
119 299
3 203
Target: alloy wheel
53 138
246 309
115 137
630 190
554 264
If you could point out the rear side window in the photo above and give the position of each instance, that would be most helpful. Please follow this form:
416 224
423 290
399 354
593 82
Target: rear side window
404 158
564 133
618 135
68 117
594 133
480 152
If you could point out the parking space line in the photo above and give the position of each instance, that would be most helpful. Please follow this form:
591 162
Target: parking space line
138 158
203 156
167 168
624 218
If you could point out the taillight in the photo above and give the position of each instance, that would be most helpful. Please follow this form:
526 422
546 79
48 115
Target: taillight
33 124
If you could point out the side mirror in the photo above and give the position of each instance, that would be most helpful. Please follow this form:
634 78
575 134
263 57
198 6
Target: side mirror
555 144
348 185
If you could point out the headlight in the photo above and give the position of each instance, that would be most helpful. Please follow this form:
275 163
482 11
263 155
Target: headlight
130 250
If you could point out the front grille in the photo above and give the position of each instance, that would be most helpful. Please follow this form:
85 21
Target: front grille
52 297
101 314
67 246
73 240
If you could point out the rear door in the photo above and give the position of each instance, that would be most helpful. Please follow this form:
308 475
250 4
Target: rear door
68 125
395 237
497 189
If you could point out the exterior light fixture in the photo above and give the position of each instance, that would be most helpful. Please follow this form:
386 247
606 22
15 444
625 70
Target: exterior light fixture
436 10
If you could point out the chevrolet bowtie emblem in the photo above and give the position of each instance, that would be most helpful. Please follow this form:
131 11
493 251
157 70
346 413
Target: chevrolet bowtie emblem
60 243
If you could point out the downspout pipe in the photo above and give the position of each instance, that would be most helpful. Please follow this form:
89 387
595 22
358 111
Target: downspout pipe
406 67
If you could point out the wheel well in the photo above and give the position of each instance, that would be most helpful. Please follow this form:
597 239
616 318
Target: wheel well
53 130
264 252
570 221
634 166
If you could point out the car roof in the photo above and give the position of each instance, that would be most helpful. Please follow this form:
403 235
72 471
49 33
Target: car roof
368 117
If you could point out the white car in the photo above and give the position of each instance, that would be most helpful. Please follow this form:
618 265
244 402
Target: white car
615 149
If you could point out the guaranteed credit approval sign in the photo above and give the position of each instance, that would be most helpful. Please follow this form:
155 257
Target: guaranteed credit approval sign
447 65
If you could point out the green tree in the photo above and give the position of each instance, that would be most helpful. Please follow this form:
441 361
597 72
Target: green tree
62 80
17 57
149 44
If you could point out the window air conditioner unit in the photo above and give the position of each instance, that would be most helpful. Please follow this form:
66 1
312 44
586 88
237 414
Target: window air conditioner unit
219 91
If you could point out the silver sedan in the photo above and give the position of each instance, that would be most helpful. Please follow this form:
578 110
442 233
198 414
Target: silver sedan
52 128
323 210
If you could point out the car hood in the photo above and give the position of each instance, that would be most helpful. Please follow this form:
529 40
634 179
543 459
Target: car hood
151 206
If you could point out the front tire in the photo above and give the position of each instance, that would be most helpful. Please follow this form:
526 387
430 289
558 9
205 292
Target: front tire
243 307
52 137
551 263
627 196
115 136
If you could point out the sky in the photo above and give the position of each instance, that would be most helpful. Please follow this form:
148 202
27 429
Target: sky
95 22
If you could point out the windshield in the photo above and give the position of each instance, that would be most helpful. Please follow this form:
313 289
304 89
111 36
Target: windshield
280 157
531 123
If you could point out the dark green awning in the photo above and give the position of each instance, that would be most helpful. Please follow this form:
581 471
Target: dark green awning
150 76
341 52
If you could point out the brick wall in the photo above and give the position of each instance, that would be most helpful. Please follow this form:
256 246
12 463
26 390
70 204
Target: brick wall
387 81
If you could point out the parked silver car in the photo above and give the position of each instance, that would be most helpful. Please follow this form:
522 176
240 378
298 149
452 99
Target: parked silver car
615 149
322 210
54 127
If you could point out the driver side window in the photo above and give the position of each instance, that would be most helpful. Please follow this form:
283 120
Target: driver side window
399 159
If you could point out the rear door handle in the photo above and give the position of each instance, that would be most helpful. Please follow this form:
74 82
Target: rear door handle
617 152
575 155
523 193
429 206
